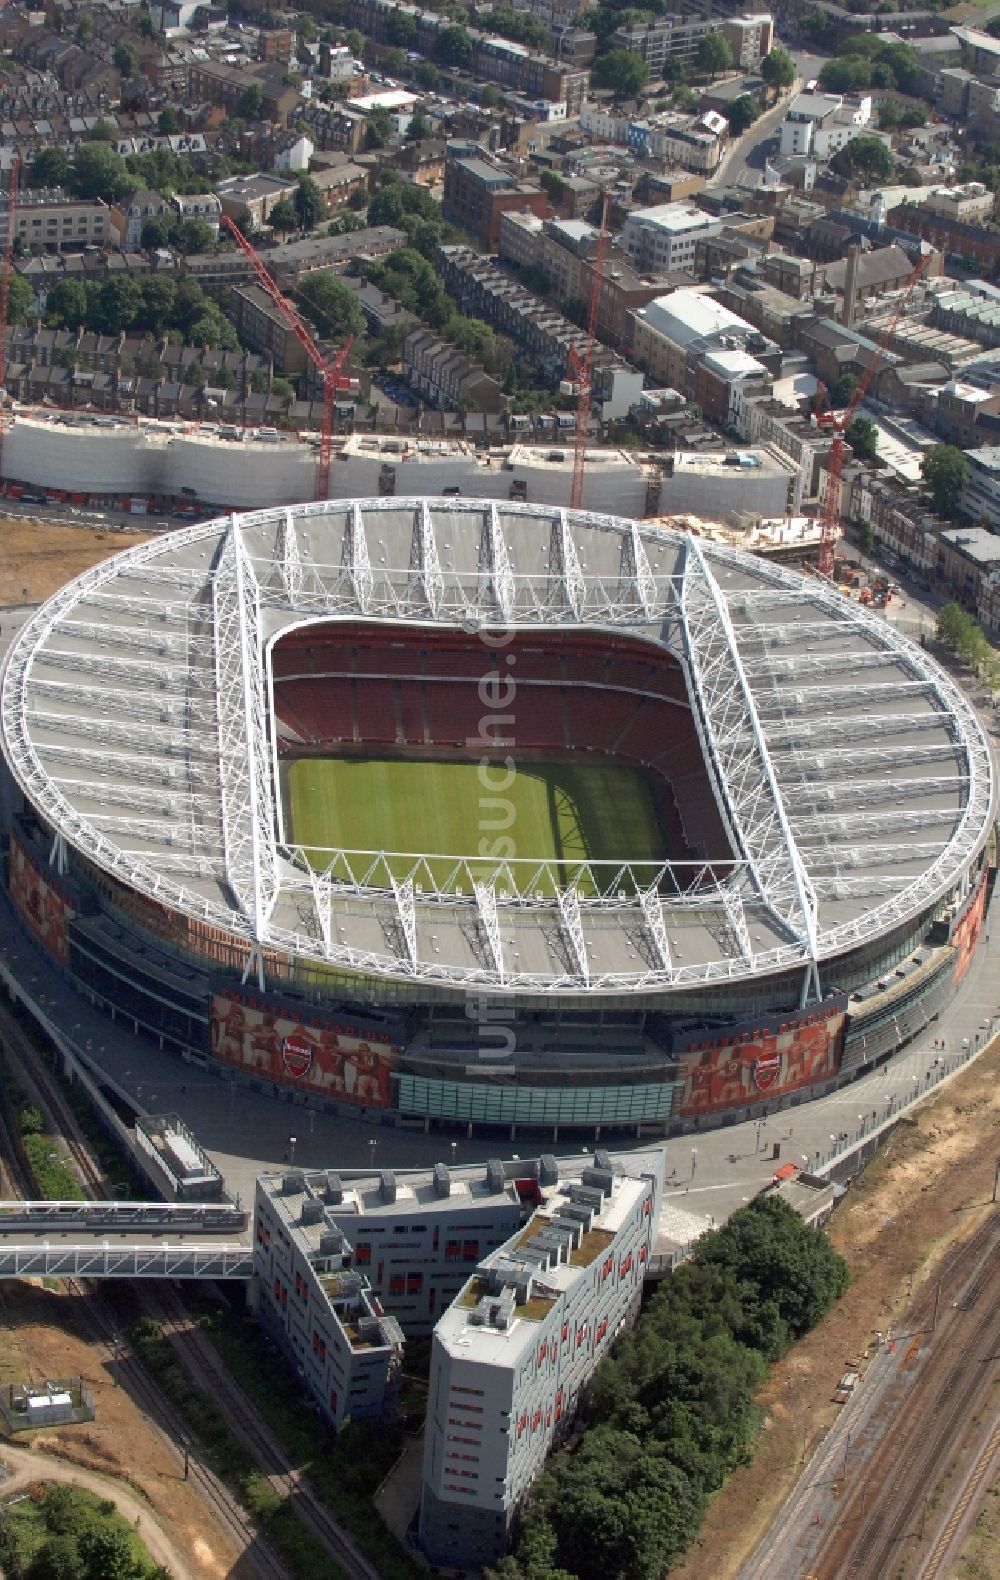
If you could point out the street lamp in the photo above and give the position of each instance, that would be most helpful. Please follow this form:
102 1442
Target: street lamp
454 1150
291 1148
372 1144
694 1160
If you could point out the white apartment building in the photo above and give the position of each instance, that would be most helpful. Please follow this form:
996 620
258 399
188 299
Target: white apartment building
821 123
315 1303
664 237
417 1234
514 1351
205 206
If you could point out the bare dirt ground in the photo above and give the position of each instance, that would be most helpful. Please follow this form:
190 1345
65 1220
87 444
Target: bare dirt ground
930 1184
41 556
39 1338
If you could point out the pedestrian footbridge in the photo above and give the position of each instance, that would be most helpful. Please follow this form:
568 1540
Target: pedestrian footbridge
83 1239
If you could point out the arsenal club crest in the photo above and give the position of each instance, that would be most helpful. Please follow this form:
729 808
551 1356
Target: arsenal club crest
297 1056
766 1070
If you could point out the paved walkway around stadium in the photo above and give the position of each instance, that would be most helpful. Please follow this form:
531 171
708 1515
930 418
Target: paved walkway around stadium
709 1173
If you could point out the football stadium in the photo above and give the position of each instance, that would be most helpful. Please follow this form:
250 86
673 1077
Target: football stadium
493 814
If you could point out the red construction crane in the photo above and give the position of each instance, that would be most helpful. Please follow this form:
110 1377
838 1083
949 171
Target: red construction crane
330 372
580 369
840 421
9 221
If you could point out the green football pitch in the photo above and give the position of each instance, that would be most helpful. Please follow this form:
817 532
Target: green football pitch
565 813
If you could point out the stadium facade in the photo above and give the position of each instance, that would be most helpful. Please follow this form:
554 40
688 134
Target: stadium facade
822 795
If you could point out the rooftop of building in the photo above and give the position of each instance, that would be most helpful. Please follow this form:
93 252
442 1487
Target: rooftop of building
674 217
881 267
684 316
494 1318
977 543
694 463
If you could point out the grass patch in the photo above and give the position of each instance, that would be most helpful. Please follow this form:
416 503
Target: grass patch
63 1530
52 1173
591 1245
113 1162
536 1308
346 1469
566 813
305 1557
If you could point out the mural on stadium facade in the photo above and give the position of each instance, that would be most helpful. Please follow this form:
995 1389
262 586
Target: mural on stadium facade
767 1060
966 933
314 1052
42 905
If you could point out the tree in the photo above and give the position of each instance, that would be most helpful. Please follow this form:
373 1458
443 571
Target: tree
126 58
427 75
490 97
890 114
66 304
251 102
714 54
453 46
395 62
168 122
621 70
156 232
912 117
553 185
945 469
192 236
846 74
865 156
49 168
107 1554
308 202
842 391
211 329
144 24
20 301
331 304
401 30
99 171
418 128
115 306
866 537
58 1558
190 302
778 69
742 113
156 308
283 216
378 127
355 42
862 436
84 30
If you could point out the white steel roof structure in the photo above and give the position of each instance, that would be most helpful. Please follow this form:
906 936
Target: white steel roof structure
853 779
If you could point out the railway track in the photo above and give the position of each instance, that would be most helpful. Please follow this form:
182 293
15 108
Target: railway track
203 1362
900 1479
931 1568
257 1552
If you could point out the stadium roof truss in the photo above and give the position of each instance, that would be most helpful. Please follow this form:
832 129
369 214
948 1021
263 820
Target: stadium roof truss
852 777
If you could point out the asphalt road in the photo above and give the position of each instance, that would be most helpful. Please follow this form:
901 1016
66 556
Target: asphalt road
749 153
